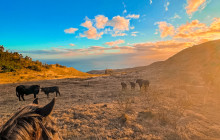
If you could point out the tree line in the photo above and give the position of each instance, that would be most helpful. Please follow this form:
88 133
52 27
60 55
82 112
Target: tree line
13 61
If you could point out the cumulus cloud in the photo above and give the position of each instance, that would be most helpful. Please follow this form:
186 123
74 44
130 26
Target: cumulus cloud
114 43
70 30
119 23
193 31
166 29
91 33
101 21
133 16
194 5
150 1
87 24
198 32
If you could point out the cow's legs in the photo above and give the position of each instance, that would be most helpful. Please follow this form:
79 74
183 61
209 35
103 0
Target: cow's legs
23 97
19 97
34 95
56 93
59 93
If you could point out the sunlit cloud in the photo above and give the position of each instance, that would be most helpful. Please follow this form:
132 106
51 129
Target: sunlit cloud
194 5
70 30
133 16
119 23
118 33
91 33
165 29
114 43
101 21
199 32
134 33
71 44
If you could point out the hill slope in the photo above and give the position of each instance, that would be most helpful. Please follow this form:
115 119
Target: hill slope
16 68
199 64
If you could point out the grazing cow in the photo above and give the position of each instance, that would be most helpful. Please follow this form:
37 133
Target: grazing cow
48 90
124 85
26 90
139 81
32 122
143 83
132 85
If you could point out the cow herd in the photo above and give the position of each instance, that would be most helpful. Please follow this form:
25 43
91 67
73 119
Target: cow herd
22 90
143 84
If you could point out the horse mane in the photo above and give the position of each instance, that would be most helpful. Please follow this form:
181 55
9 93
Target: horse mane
27 124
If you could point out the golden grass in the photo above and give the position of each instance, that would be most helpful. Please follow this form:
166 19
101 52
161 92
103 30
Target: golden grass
54 72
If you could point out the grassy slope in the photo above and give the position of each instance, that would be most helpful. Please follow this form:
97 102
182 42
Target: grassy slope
54 72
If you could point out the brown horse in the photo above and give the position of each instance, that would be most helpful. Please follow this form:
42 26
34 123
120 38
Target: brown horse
32 122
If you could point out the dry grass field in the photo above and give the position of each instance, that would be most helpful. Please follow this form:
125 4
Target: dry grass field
182 102
97 108
54 72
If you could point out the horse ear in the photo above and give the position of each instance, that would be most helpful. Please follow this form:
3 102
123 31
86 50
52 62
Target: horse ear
47 109
35 101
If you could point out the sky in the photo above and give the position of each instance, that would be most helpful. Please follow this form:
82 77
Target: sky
100 34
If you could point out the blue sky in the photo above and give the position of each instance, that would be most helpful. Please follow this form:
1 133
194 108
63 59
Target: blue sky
142 30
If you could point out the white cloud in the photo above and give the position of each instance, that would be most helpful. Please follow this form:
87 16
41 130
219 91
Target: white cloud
70 30
125 11
166 5
150 1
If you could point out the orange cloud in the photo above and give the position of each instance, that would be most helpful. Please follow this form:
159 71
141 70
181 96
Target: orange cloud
133 16
198 32
165 29
91 33
101 21
193 5
114 43
70 30
118 33
71 44
119 23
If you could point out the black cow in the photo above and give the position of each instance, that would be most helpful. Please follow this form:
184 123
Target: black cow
124 85
22 90
48 90
143 83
